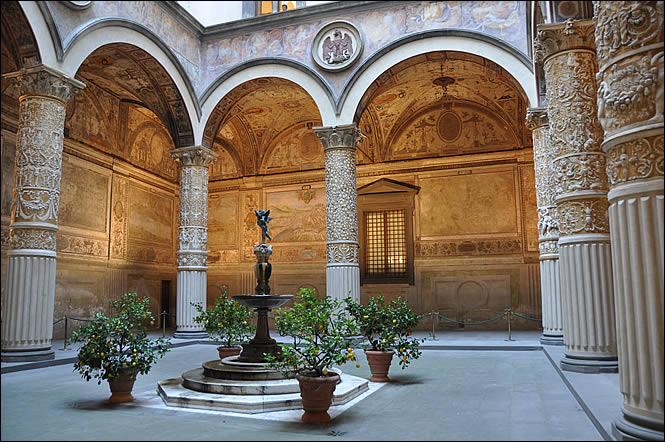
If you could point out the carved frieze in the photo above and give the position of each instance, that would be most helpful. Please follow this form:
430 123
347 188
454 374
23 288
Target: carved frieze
339 253
192 260
32 239
637 159
548 224
576 172
548 248
583 216
341 195
81 246
536 117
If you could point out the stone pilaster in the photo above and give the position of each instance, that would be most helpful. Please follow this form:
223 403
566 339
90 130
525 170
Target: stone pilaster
192 237
343 270
27 327
548 228
580 195
629 46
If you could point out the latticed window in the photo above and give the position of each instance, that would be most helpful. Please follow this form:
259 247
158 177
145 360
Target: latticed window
385 244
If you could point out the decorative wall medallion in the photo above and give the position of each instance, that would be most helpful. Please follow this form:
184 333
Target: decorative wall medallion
449 126
337 46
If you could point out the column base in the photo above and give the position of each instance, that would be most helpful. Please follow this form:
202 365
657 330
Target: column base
632 427
546 339
27 355
608 365
194 334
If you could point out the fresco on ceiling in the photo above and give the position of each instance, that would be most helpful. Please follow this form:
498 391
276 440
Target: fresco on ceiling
184 43
454 130
505 20
297 217
148 143
477 203
83 197
92 118
224 167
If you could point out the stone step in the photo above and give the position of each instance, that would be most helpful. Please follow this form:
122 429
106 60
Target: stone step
197 380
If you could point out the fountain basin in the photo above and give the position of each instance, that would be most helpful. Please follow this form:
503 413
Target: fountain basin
263 301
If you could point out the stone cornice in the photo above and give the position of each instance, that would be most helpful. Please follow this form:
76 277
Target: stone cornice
572 34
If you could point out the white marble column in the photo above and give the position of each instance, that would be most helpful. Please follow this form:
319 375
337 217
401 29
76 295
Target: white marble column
548 228
192 237
580 194
343 270
629 46
27 327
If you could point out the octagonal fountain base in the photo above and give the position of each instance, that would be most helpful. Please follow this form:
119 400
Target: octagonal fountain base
239 387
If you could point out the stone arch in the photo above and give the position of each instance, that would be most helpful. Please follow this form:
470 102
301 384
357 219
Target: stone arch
495 50
100 33
289 70
20 47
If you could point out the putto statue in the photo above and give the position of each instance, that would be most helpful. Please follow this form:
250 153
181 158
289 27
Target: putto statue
262 219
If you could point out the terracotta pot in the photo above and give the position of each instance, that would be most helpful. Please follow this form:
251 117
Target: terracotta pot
317 394
121 387
225 352
379 364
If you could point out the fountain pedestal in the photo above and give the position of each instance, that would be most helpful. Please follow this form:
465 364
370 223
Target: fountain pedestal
262 343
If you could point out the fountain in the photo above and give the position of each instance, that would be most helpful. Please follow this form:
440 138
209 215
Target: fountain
244 383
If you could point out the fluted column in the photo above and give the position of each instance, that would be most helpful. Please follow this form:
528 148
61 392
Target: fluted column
580 194
192 237
629 46
548 228
343 270
27 327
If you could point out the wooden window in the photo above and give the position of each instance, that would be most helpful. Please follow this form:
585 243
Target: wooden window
385 244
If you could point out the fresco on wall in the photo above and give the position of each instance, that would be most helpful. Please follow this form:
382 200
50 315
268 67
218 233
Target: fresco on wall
505 20
7 179
83 197
530 207
150 217
482 203
222 220
92 118
225 166
452 130
149 143
297 219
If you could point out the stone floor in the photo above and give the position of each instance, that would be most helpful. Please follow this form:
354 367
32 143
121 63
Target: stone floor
467 385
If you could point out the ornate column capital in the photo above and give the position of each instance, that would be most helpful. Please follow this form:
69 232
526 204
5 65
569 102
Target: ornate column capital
536 117
194 156
346 135
45 81
553 38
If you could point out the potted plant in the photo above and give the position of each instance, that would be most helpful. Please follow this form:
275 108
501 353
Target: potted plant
228 322
321 335
386 330
117 348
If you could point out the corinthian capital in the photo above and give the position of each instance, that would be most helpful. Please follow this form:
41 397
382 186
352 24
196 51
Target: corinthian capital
536 117
43 80
556 37
346 135
194 156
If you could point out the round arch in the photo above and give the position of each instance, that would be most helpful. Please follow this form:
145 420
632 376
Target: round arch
313 86
40 30
504 55
119 31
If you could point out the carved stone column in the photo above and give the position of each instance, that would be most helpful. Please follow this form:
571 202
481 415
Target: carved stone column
580 194
548 227
192 237
27 327
629 45
343 270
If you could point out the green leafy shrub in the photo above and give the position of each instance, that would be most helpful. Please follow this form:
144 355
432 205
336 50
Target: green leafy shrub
227 321
109 343
321 335
387 327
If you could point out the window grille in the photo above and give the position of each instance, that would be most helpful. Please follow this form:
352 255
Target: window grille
385 243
